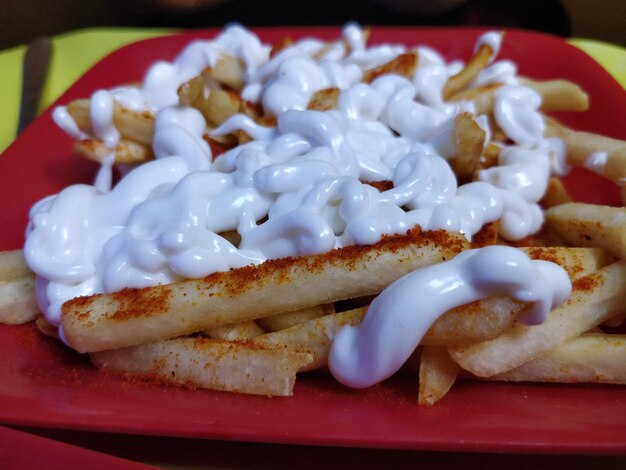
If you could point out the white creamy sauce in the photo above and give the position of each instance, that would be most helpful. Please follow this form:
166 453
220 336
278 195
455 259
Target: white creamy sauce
596 161
296 189
400 316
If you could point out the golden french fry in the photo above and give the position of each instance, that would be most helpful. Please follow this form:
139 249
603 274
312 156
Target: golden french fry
324 100
228 71
18 303
483 97
559 95
556 194
127 152
280 321
132 125
209 363
236 331
488 318
219 106
592 357
477 321
438 373
487 235
136 316
191 92
578 262
313 336
581 224
13 266
403 65
490 155
470 140
468 74
600 154
595 298
281 45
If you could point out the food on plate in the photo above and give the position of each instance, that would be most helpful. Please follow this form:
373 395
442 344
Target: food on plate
328 205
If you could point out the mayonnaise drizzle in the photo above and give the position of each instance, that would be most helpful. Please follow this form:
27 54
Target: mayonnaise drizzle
400 316
294 190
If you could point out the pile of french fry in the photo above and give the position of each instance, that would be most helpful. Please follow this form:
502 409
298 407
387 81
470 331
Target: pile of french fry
252 329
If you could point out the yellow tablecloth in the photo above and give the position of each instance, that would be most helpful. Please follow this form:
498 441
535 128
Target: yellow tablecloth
75 52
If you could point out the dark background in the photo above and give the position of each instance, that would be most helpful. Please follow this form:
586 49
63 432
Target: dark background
22 20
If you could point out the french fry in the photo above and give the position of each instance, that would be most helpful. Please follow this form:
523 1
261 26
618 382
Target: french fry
313 336
595 298
483 97
280 321
18 303
127 152
592 357
470 140
192 92
559 95
138 316
578 262
488 318
556 194
403 65
132 125
477 321
581 224
228 71
474 66
13 266
437 374
324 100
236 331
207 363
219 106
600 154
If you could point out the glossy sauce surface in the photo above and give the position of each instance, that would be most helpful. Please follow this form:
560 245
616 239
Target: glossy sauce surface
296 189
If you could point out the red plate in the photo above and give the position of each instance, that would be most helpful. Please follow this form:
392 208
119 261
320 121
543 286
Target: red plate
43 384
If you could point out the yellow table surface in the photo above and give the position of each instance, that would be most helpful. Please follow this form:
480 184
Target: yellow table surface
75 52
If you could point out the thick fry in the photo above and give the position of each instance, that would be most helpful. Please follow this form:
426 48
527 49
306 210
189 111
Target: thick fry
280 321
592 357
403 65
191 92
476 321
127 152
582 224
559 95
236 331
483 97
603 155
18 303
470 140
313 336
596 297
324 100
578 262
138 316
438 373
132 125
206 363
471 70
219 106
13 266
556 194
228 71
